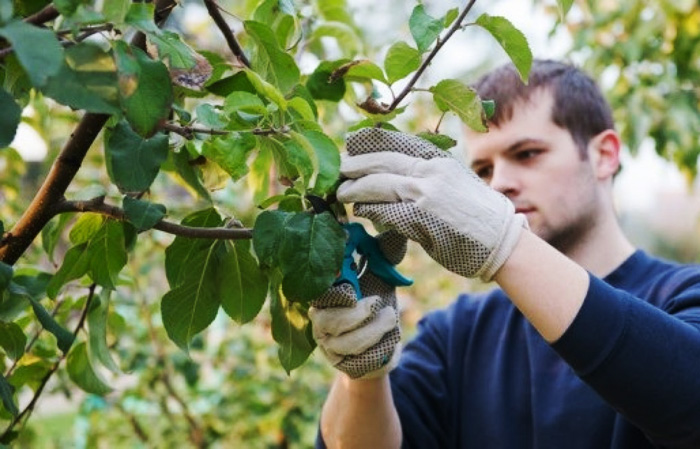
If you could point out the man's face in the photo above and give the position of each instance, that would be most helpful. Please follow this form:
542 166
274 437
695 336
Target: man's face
537 165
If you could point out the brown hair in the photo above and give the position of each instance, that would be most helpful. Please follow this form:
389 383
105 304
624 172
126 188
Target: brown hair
579 105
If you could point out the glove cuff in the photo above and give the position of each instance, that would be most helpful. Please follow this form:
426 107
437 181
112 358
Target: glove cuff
507 242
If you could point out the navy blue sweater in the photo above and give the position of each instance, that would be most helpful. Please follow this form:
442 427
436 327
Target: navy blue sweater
625 375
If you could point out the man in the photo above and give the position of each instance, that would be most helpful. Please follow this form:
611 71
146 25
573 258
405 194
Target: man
588 343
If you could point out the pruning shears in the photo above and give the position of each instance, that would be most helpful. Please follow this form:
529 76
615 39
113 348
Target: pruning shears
362 253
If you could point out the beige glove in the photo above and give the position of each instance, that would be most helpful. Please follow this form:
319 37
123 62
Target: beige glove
361 338
405 183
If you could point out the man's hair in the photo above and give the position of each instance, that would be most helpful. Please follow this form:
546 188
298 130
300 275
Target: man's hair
579 105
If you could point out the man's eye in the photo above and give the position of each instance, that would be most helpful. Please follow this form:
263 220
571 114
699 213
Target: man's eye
527 154
484 172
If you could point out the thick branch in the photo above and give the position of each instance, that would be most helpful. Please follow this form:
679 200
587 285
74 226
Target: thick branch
48 13
236 49
63 170
98 206
44 380
438 45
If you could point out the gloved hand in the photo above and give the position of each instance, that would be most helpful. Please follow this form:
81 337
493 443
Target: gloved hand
405 183
361 338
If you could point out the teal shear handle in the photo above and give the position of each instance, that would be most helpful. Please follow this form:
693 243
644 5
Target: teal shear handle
368 247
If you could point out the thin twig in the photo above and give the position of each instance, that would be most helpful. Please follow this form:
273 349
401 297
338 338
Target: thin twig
438 45
188 132
44 380
220 22
97 205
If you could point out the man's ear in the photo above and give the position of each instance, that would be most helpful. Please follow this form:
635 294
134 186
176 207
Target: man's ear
604 150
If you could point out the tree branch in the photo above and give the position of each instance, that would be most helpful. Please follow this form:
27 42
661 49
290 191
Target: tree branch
220 22
440 42
97 205
63 170
44 380
48 13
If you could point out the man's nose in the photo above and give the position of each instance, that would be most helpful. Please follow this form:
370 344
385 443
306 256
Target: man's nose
504 179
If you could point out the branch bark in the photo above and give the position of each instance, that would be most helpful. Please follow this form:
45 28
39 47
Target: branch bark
220 22
64 168
97 205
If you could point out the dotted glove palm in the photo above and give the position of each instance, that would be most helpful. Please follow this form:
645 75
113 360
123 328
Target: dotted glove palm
405 183
361 338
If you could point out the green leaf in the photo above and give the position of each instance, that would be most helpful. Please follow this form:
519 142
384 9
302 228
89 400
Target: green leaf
424 28
85 228
266 89
511 39
187 173
192 306
209 116
258 179
143 214
7 392
140 16
146 93
76 264
64 338
81 371
450 16
489 108
115 11
452 95
51 233
12 340
171 48
400 61
243 283
230 152
5 276
291 329
9 119
233 83
36 48
302 107
268 233
107 252
271 61
300 154
310 255
97 331
179 253
564 7
244 101
363 70
327 160
320 84
6 11
132 161
439 140
67 7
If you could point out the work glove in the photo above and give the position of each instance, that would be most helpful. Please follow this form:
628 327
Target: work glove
406 183
361 337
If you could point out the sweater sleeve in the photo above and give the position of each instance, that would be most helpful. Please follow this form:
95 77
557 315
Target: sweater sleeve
644 361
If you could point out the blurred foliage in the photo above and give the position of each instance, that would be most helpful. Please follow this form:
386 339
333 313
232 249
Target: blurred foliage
647 56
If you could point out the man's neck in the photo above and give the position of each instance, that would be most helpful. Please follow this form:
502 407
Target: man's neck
603 249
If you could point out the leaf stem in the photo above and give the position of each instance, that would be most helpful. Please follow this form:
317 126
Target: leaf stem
220 22
438 45
44 380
